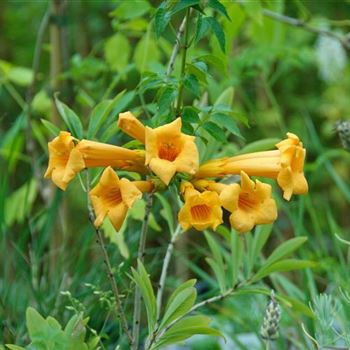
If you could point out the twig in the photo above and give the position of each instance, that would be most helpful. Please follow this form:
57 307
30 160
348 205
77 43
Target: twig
110 275
141 253
183 64
295 22
176 47
164 272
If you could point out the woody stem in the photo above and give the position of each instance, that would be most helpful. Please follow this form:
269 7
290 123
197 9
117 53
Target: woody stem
183 65
110 275
140 255
164 272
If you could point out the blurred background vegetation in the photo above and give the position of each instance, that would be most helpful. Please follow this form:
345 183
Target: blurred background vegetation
277 78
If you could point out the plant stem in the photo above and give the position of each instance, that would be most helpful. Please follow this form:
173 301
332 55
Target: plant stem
164 272
183 64
267 345
110 275
176 47
141 253
295 22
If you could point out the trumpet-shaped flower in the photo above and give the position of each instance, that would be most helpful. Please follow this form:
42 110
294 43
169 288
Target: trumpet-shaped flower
286 164
68 156
201 210
132 126
65 161
250 204
168 151
112 197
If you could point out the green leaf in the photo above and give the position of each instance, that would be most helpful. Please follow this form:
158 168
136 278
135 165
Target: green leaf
166 212
14 347
218 6
146 52
261 145
184 329
236 256
226 121
179 305
52 128
131 9
225 98
161 20
215 131
101 112
282 266
190 114
261 235
218 31
203 27
198 69
35 322
183 4
70 118
117 51
144 283
20 76
166 98
188 284
191 84
285 249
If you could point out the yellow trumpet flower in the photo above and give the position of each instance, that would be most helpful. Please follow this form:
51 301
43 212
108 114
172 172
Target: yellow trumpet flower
201 210
286 164
68 156
132 126
250 204
112 197
168 151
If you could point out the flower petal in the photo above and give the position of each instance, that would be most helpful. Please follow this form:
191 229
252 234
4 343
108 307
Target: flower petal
164 169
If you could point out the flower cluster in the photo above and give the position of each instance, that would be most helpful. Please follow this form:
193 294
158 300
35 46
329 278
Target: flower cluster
168 151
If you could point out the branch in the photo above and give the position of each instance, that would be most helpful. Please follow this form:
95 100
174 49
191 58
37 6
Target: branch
110 275
164 272
141 254
176 47
295 22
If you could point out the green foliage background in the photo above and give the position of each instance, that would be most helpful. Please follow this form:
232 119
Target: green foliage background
248 78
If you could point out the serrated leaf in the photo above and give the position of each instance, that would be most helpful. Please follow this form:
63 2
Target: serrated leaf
70 119
191 83
218 6
286 248
180 304
190 114
282 266
218 31
144 283
227 122
214 131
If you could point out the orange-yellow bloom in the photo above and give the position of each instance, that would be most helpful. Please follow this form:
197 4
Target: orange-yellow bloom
112 197
250 204
68 156
286 164
65 161
168 151
201 210
132 126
